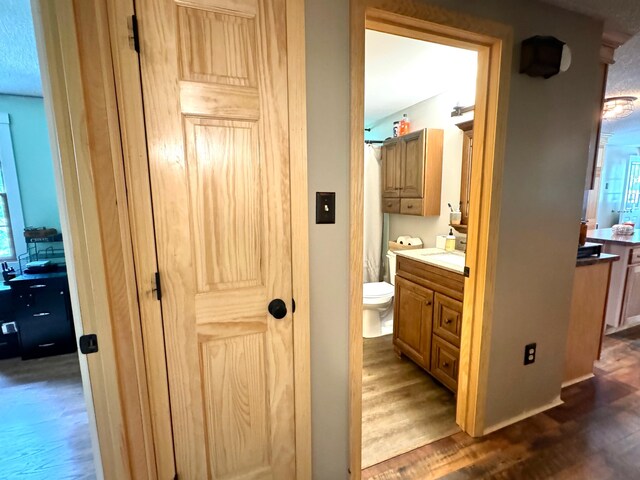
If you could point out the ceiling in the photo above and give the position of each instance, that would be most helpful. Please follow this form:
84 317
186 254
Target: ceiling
19 71
400 72
624 75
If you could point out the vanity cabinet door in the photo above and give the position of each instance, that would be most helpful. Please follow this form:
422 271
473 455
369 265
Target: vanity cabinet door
412 321
391 167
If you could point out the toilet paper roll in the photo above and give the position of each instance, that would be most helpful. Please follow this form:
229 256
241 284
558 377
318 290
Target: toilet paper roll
414 242
403 239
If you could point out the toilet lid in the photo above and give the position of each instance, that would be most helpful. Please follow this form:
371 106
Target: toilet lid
377 289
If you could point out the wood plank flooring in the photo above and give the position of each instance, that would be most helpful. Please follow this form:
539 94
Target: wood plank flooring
402 406
595 434
44 431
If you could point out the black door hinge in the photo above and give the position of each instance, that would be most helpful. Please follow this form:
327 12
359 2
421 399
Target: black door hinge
467 272
88 343
135 37
158 288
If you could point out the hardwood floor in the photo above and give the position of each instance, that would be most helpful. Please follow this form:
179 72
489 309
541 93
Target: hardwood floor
44 430
595 434
402 406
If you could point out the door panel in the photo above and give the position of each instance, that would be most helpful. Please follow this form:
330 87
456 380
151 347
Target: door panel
413 165
412 320
391 166
215 91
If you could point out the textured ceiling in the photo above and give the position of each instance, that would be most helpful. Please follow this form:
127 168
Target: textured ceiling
624 75
19 72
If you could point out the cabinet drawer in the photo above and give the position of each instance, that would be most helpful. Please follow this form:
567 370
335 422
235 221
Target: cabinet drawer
391 205
447 319
634 256
45 334
444 363
411 206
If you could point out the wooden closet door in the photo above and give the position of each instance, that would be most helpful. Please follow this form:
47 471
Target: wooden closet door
215 98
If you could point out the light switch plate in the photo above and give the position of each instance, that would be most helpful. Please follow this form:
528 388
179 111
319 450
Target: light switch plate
325 207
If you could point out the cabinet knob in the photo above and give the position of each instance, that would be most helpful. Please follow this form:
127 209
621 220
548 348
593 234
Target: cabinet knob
445 364
389 205
427 303
447 321
409 206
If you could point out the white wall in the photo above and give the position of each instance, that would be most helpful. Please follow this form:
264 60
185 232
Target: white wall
328 147
548 132
432 113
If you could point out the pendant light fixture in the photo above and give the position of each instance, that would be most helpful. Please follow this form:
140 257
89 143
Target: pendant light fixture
617 107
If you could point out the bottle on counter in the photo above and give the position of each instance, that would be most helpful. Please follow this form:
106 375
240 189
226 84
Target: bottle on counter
396 128
450 242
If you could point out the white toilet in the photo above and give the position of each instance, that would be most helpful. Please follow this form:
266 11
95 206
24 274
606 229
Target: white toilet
377 313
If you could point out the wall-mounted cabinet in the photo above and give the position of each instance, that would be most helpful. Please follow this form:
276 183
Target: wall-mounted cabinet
412 173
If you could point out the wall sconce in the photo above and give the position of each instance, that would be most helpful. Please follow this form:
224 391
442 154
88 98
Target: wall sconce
545 57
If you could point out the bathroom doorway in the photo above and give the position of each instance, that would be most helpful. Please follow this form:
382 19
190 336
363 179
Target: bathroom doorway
417 135
438 306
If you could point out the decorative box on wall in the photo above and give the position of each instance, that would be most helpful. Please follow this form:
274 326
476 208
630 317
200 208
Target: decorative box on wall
412 173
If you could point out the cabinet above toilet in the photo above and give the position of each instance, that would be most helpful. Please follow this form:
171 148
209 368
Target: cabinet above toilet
412 173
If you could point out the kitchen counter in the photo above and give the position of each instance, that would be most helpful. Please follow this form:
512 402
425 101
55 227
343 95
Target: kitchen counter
603 258
605 235
451 261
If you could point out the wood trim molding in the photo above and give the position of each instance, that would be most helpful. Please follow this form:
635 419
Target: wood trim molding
85 148
494 43
299 233
136 175
611 40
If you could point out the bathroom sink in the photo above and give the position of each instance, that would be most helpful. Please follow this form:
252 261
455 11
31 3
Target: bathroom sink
454 259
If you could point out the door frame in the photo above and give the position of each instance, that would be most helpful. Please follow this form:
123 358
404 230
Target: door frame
92 86
85 150
493 42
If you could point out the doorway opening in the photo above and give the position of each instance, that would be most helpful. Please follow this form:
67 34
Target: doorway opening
442 307
418 113
48 426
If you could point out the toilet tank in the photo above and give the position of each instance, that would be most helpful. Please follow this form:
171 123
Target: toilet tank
391 257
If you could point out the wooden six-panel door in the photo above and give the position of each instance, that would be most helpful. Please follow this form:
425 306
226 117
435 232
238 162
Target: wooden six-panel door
215 97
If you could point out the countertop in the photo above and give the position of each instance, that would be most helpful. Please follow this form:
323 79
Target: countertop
603 258
451 261
39 276
605 235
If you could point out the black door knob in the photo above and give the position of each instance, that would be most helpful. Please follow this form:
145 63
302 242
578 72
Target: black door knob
278 308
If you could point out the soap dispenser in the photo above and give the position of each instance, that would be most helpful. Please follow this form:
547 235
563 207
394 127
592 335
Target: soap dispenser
450 243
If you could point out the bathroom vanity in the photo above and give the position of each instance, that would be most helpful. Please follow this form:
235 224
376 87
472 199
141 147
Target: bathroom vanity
427 321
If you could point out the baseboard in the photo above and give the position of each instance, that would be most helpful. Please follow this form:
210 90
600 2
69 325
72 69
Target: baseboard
578 380
530 413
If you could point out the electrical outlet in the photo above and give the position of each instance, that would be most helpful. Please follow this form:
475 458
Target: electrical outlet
529 354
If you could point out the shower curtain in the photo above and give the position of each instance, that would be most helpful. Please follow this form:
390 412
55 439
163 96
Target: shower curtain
372 214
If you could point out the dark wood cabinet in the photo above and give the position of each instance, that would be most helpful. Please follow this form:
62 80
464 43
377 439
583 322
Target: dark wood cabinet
428 318
42 311
412 172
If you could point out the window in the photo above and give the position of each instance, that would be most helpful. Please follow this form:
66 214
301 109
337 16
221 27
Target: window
12 242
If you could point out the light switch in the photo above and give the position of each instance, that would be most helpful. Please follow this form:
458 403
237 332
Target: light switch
325 207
